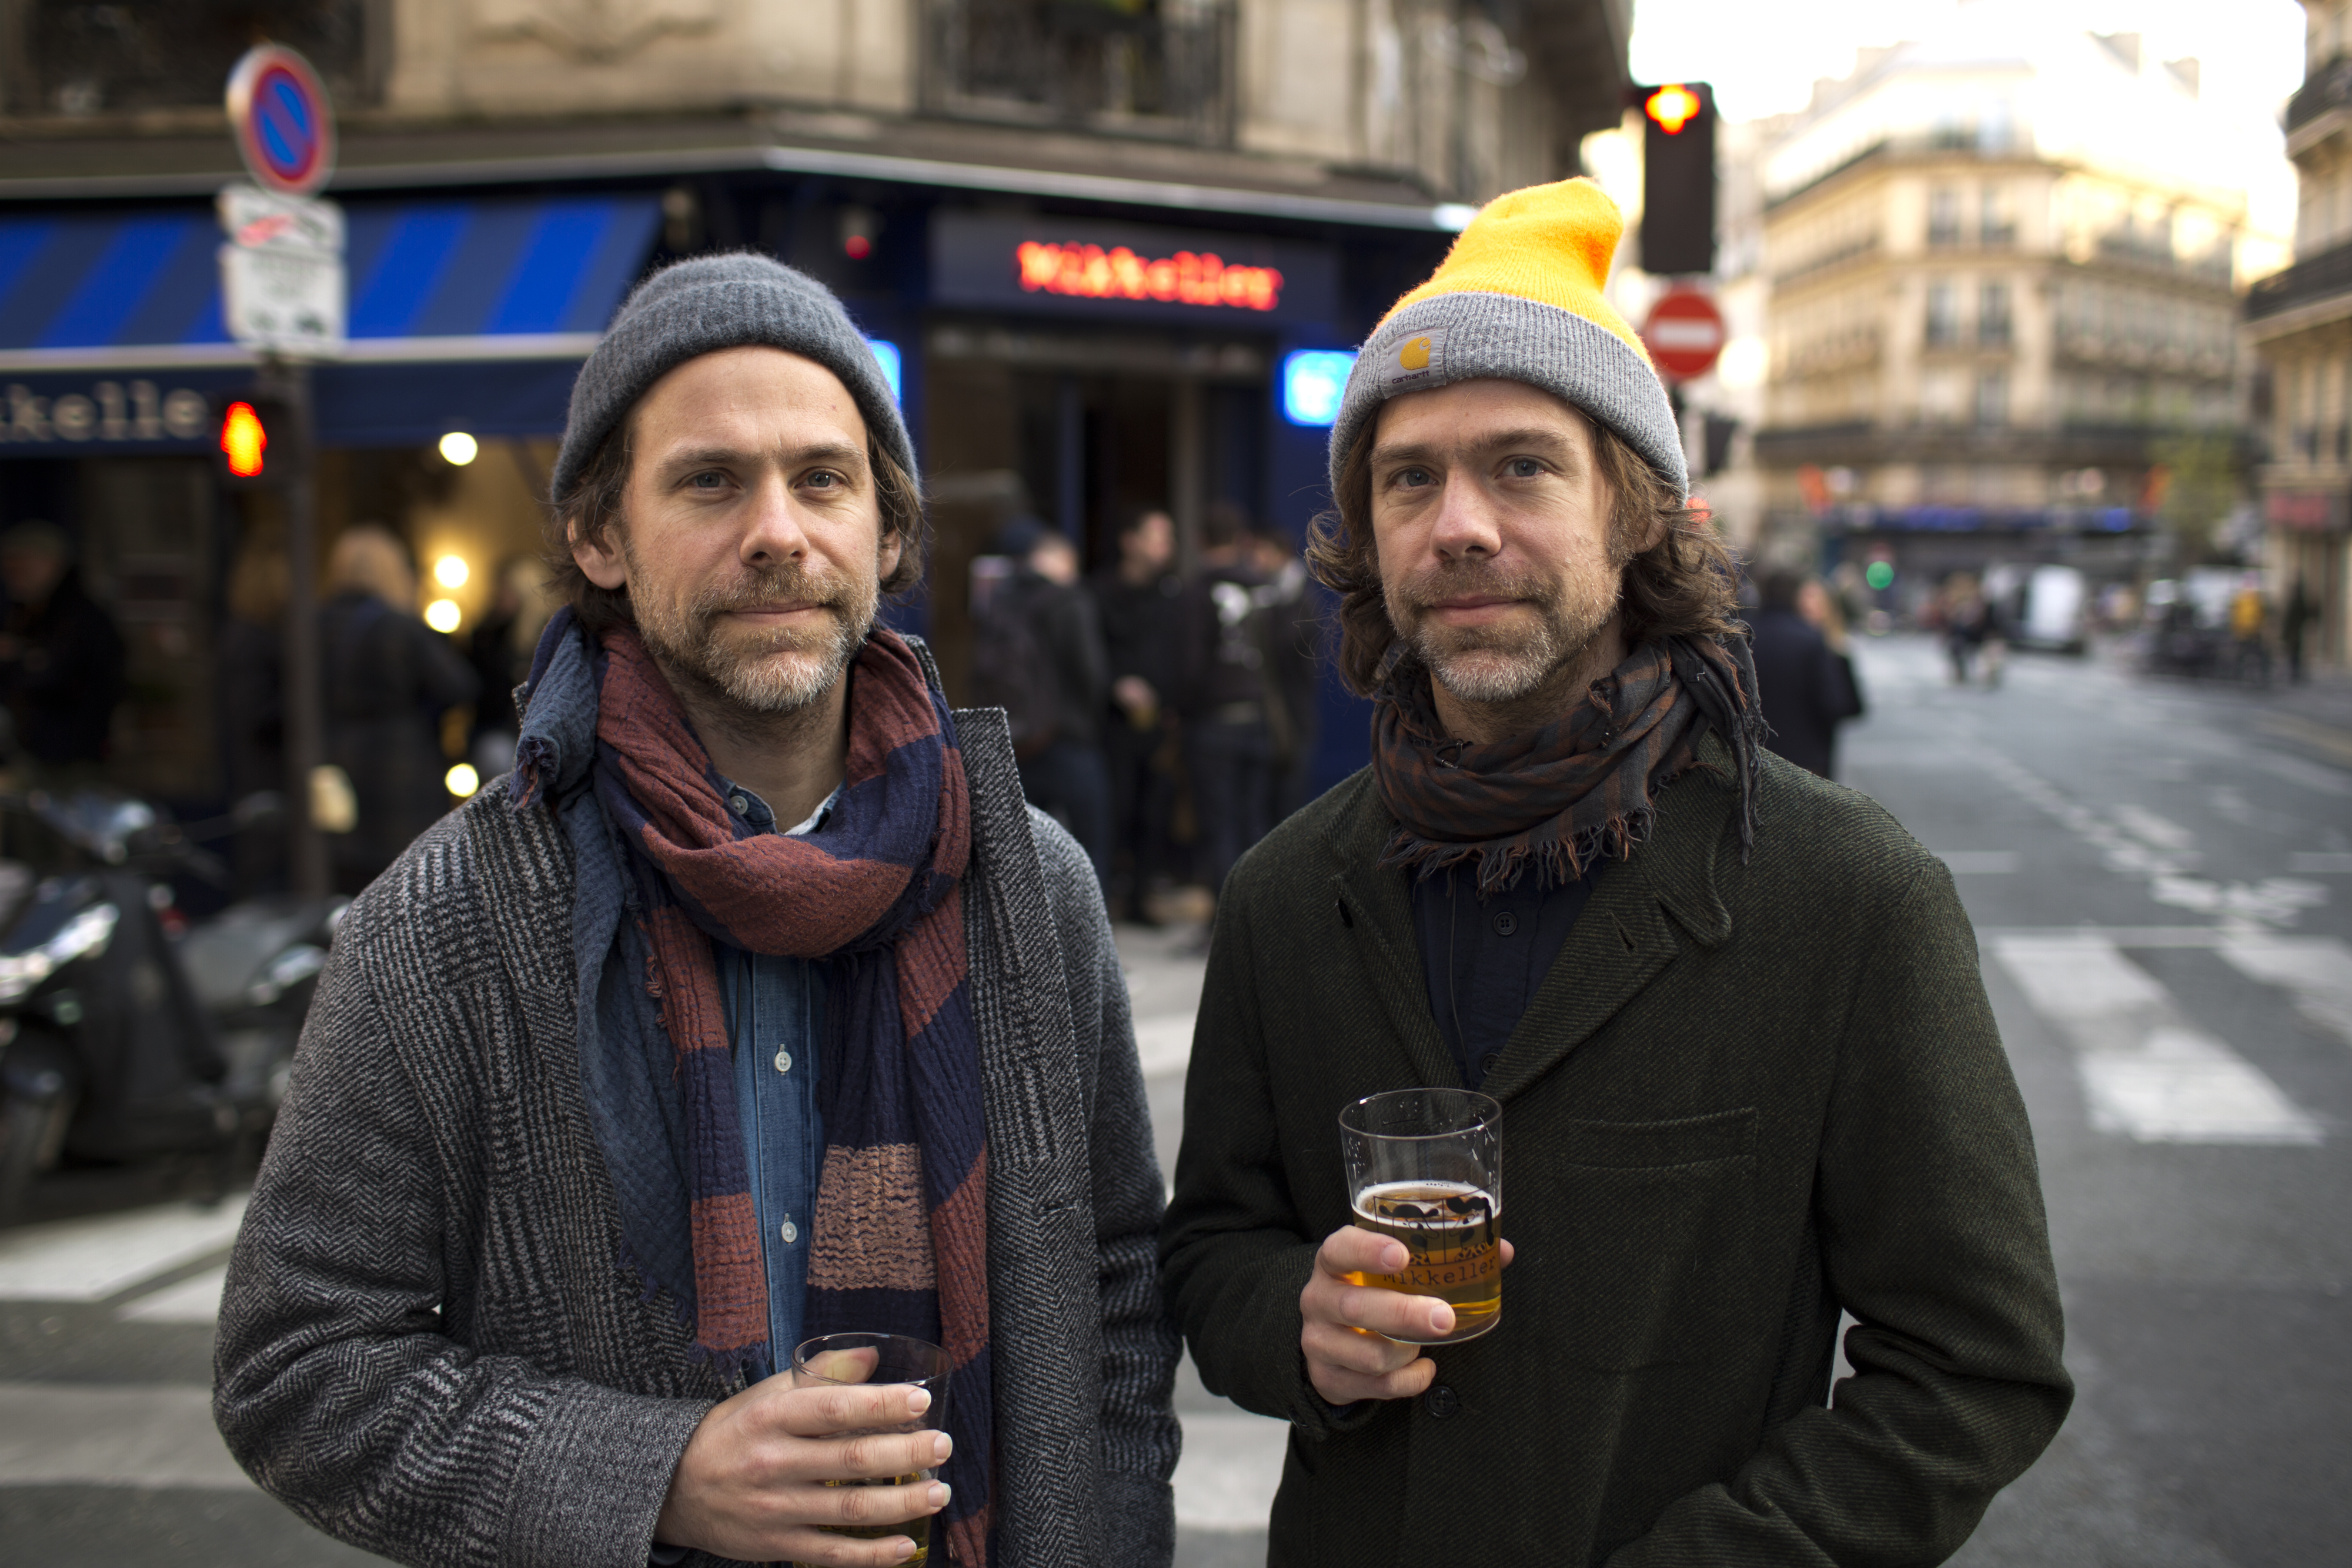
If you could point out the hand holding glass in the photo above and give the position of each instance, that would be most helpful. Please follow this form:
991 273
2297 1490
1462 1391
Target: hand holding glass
1425 1168
844 1359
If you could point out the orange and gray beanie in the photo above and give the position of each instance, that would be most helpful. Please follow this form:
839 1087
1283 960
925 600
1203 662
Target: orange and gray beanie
1518 299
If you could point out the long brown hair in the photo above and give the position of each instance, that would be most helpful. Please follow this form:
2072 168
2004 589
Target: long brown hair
593 503
1684 584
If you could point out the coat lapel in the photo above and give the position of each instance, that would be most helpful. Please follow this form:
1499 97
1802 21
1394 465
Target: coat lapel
1381 905
1643 914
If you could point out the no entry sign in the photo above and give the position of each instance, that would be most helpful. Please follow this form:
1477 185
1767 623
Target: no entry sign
1684 333
285 126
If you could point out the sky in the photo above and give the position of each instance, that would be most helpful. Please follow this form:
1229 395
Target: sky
1763 59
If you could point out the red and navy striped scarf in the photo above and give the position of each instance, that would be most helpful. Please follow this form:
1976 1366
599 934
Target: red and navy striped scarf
1584 786
899 1239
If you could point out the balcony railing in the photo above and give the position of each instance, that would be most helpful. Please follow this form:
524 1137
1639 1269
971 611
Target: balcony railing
2329 87
2329 272
1141 67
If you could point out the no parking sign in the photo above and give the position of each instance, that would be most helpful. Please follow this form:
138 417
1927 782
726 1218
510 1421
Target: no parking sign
285 126
282 271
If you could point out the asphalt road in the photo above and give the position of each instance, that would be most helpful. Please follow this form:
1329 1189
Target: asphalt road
2161 880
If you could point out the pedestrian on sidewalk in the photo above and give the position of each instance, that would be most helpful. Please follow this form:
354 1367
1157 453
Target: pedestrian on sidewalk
1229 744
1807 686
1067 775
760 1007
387 678
1137 599
1731 1013
2294 626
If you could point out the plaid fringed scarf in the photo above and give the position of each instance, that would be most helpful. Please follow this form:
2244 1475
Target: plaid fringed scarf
899 1239
1584 786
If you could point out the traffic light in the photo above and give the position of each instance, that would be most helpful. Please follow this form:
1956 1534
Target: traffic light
1677 178
246 424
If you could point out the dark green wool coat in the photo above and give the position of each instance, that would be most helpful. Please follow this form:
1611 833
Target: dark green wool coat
1744 1097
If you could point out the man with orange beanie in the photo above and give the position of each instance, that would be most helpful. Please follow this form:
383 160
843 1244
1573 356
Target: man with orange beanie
1726 1015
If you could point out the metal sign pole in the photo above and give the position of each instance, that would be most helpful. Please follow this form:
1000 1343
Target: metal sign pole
305 708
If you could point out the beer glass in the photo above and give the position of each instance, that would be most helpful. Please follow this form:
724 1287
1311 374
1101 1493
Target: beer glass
834 1359
1425 1166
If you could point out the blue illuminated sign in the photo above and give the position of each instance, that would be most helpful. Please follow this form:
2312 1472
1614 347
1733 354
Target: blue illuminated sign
1312 382
886 354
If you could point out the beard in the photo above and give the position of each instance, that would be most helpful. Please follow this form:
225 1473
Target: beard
1507 661
758 671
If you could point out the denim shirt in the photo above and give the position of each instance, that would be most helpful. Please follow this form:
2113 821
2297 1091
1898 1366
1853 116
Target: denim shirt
775 1016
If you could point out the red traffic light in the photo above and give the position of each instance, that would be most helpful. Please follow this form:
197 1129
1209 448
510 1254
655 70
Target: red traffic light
1672 107
243 440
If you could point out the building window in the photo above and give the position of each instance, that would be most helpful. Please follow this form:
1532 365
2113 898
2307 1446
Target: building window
1992 398
1155 67
79 58
1997 223
1992 315
1943 316
1943 215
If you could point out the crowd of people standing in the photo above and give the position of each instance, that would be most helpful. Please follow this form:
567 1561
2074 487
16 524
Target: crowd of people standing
1167 718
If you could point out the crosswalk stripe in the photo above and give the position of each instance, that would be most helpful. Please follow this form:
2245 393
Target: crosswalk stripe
2147 1073
1230 1468
90 1259
92 1433
2318 969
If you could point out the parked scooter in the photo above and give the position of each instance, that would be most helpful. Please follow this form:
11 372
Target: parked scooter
125 1031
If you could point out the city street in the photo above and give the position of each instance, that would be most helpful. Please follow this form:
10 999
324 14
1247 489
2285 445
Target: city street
2161 880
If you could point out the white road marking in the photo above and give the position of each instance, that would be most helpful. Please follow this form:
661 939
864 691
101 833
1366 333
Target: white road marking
1231 1467
1979 862
2160 832
2276 899
2147 1073
2295 770
195 1300
2320 862
2318 969
105 1434
88 1260
1164 1044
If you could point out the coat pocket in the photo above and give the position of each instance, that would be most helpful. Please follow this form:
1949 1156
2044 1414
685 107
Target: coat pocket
1659 1227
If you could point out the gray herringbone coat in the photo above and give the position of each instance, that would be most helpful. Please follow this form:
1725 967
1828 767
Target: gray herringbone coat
429 1347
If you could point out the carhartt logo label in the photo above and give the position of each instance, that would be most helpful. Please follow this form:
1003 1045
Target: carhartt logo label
1419 358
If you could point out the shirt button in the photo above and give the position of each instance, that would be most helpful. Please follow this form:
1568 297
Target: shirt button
1506 923
783 1061
1440 1402
737 804
789 1231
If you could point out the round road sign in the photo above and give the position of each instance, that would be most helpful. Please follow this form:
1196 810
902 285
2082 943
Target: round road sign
1684 333
285 126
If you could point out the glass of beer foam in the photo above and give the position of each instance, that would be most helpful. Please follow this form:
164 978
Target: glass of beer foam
1425 1166
836 1359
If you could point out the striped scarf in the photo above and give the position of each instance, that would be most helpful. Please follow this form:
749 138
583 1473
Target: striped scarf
898 1243
1581 786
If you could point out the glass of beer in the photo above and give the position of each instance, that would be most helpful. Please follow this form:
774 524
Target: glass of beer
836 1359
1425 1166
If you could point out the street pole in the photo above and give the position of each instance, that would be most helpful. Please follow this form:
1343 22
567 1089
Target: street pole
305 726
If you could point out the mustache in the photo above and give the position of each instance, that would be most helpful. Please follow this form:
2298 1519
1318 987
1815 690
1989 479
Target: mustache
1425 589
767 589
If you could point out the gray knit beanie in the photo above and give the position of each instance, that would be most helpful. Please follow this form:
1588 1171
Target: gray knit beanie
1520 298
711 302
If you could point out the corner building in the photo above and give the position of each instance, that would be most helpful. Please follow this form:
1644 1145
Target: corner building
1088 237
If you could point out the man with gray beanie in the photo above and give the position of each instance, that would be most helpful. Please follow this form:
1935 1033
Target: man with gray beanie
1724 1014
755 1012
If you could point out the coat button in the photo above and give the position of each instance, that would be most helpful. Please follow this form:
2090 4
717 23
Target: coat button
1440 1402
1506 923
783 1061
737 804
1486 1064
789 1231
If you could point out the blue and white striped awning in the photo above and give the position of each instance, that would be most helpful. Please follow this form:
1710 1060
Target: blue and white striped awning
444 280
